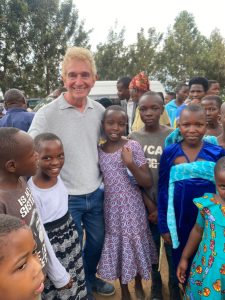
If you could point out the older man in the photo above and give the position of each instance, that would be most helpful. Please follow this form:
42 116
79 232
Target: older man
76 119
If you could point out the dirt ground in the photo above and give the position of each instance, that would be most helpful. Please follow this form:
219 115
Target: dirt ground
146 285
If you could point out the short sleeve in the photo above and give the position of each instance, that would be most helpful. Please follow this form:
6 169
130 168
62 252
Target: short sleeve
200 219
138 154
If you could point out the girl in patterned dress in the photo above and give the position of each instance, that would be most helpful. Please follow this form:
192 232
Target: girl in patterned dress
128 252
207 275
51 199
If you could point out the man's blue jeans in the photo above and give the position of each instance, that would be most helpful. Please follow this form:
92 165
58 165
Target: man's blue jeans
87 210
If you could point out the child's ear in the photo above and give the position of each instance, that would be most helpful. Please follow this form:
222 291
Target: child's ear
162 109
10 166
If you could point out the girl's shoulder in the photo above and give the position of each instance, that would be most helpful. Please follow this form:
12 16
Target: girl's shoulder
215 151
209 206
172 149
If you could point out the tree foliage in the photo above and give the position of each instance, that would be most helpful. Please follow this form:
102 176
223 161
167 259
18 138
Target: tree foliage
111 56
35 33
34 36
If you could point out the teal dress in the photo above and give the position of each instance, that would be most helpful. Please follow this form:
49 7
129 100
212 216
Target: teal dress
207 275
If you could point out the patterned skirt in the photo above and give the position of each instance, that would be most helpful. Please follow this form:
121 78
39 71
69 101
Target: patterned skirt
64 239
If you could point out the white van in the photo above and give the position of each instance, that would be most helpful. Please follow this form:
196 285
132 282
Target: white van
107 89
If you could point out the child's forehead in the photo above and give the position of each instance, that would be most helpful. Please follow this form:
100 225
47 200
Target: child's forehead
209 102
187 114
115 113
50 144
149 99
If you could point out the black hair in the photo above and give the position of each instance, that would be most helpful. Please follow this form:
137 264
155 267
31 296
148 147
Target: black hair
106 102
220 166
14 96
8 224
180 86
172 94
159 95
199 80
114 108
212 82
43 137
215 98
125 81
8 143
193 108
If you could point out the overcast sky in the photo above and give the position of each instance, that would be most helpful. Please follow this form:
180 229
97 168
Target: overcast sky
102 14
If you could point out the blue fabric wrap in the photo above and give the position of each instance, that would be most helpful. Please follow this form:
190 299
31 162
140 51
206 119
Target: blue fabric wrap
197 169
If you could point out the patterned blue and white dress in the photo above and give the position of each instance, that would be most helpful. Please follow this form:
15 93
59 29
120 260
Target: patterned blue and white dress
128 247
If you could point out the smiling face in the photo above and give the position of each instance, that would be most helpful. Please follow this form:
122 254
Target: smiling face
114 125
220 183
21 276
151 108
196 91
51 158
192 126
78 80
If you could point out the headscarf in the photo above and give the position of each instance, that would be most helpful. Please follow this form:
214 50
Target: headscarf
140 82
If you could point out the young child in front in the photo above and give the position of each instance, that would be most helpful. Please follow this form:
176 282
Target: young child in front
51 199
152 137
186 172
18 158
211 105
128 251
21 276
207 276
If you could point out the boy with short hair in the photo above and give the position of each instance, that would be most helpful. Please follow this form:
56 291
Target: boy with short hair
21 275
16 111
171 107
211 105
18 158
152 137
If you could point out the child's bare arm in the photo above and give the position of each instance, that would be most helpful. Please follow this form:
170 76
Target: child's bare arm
142 174
193 242
151 207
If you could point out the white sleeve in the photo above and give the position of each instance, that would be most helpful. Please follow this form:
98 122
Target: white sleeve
39 124
55 270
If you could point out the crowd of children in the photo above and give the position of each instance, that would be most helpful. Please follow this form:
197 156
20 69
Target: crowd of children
163 187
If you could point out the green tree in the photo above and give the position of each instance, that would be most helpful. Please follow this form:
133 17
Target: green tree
14 50
214 58
183 51
34 36
111 56
142 54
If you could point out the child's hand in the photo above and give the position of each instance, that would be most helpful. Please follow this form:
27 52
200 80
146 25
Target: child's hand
181 270
167 238
68 285
127 156
153 217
